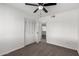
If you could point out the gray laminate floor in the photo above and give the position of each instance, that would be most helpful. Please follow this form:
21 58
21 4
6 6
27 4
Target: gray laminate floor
43 49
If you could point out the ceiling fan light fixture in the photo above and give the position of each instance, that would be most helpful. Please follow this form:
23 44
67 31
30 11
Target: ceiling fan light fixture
40 7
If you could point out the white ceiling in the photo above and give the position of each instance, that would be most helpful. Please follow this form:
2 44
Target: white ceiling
60 7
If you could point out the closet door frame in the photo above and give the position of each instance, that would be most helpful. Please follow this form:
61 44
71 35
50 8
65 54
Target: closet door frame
27 37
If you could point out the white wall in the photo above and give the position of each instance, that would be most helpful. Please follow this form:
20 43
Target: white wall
43 28
78 33
62 30
11 29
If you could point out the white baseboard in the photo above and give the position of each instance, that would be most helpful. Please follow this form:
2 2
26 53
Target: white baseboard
11 50
15 49
61 45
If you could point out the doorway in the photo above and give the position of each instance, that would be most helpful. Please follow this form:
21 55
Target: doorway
43 32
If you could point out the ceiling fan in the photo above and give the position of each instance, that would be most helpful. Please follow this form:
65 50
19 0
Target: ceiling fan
41 6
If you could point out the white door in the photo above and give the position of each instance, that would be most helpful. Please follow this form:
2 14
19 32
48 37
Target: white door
38 32
29 32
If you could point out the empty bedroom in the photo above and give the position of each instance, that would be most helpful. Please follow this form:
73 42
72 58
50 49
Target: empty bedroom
39 29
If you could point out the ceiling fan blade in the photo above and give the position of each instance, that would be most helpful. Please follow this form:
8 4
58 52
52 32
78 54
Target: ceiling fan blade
35 10
40 3
31 4
45 10
50 4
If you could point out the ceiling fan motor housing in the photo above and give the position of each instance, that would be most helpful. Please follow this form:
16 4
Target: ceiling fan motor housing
40 7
